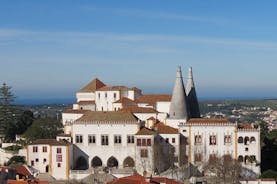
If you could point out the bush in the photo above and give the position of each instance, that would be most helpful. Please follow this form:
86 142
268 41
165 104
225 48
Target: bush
269 174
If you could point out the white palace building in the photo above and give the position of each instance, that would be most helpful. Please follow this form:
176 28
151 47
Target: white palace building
119 127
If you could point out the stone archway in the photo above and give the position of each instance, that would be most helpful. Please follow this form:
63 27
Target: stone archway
81 163
128 162
96 162
112 162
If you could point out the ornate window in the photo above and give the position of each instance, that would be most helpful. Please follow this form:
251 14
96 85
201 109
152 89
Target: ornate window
104 140
144 153
117 139
79 138
212 140
130 139
227 139
91 139
198 139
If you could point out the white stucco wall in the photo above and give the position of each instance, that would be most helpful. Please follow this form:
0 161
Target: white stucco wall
82 96
163 107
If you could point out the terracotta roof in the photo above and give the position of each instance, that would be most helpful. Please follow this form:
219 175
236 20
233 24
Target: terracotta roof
52 142
245 126
146 131
138 179
152 118
22 170
164 129
135 109
125 100
208 121
75 111
94 85
154 98
89 102
110 116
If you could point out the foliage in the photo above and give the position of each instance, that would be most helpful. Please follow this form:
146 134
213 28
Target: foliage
44 128
13 148
269 174
269 150
24 121
7 113
16 160
224 167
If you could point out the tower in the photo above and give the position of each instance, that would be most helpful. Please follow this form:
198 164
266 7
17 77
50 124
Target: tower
178 106
192 97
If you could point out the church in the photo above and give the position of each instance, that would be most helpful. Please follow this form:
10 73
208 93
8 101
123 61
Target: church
120 128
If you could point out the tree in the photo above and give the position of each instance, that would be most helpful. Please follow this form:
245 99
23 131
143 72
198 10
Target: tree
44 128
225 168
24 121
269 174
16 160
7 113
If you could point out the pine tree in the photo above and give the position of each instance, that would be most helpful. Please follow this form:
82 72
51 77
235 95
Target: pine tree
7 113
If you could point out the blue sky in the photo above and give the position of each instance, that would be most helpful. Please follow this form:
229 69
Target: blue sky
50 49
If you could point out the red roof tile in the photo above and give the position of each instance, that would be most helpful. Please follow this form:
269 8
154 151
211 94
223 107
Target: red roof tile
146 131
92 86
164 129
53 142
135 109
208 121
22 170
154 98
138 179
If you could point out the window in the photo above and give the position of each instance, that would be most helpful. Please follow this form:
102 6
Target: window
35 149
240 140
240 158
99 95
114 95
246 140
58 164
36 159
44 160
32 163
44 149
143 142
148 142
104 140
130 139
91 139
246 149
212 140
198 139
252 139
173 140
166 140
79 139
59 150
138 142
227 139
106 95
117 139
144 153
198 157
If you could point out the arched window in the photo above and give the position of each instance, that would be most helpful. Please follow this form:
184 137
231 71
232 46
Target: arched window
246 140
252 139
81 163
128 162
240 140
246 159
112 162
240 158
96 162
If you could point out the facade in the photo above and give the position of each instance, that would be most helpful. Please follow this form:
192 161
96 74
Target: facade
119 127
50 156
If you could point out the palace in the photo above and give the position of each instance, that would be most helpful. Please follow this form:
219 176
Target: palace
119 127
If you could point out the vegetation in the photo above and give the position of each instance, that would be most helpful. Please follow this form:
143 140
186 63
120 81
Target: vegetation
44 128
13 148
16 160
269 174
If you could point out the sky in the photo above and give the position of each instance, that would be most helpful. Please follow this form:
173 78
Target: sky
50 49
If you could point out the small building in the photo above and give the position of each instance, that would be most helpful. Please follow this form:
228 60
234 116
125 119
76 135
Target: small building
50 156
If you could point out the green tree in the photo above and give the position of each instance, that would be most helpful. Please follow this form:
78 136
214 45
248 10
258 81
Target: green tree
269 174
7 113
24 121
16 160
44 128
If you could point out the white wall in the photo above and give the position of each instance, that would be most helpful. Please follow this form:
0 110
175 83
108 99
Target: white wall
119 151
163 107
88 96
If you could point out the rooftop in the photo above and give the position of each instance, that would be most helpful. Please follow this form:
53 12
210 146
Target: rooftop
152 99
110 116
92 86
135 109
52 142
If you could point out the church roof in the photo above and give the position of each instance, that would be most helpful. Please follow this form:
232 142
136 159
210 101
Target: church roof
152 99
92 86
136 109
105 117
